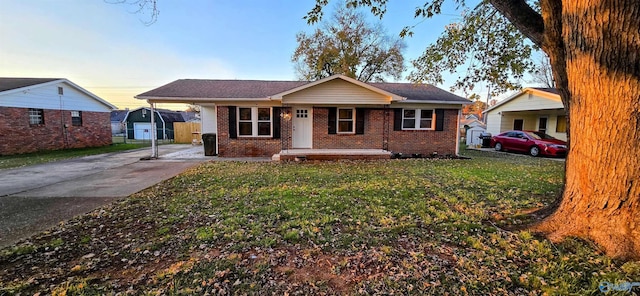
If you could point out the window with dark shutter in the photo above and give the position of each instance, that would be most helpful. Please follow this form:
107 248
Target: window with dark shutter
397 119
233 133
346 120
360 121
333 111
276 122
439 119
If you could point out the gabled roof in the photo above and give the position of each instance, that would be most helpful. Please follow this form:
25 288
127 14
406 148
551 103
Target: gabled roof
165 115
372 87
546 89
9 83
422 93
199 90
171 116
12 84
119 115
544 92
190 116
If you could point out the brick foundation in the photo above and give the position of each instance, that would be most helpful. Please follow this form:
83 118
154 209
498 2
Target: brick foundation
18 136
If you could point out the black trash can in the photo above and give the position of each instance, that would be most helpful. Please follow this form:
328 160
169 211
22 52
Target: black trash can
486 140
209 142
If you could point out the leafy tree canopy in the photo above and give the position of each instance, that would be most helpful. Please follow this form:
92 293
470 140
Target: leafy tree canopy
348 45
483 47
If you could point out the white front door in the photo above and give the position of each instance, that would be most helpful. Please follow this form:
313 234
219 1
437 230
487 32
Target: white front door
302 128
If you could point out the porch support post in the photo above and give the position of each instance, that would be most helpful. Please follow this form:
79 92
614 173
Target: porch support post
154 137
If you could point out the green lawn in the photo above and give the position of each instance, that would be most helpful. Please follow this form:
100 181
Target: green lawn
12 161
415 226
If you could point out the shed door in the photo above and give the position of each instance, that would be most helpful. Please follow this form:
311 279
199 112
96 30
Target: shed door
302 128
142 131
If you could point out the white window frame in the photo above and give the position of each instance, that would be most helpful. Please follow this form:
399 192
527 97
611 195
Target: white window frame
254 122
352 119
418 119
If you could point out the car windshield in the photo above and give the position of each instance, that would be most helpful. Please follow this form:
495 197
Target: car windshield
540 136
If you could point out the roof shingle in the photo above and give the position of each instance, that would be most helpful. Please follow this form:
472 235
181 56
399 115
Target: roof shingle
247 89
9 83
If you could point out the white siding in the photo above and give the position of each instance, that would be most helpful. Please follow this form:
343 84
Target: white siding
336 91
528 101
529 107
473 136
209 119
497 123
493 123
46 97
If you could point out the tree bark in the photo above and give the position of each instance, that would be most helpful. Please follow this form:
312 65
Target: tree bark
594 47
594 50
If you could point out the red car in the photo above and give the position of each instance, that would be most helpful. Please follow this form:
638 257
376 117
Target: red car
534 143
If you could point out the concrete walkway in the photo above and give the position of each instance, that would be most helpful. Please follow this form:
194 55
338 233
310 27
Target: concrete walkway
35 198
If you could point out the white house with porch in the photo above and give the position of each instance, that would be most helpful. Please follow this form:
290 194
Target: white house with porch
535 109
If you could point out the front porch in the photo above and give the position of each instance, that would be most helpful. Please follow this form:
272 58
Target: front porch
331 154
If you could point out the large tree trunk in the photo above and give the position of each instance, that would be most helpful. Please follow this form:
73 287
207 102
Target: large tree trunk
594 46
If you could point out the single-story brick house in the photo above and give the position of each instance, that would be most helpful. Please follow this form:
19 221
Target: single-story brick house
337 113
49 114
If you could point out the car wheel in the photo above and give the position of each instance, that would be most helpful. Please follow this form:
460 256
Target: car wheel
498 147
534 151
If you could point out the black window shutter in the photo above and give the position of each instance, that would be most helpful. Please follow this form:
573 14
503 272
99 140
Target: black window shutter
333 114
439 119
233 133
359 121
276 122
397 119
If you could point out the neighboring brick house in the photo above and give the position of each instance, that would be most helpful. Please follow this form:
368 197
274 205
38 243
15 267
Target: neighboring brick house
276 118
39 114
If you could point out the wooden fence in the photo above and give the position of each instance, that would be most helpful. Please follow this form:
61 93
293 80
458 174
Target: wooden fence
184 132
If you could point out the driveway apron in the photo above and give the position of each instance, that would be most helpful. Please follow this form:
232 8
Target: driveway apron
35 198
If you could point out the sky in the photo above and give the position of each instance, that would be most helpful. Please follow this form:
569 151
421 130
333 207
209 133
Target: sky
109 50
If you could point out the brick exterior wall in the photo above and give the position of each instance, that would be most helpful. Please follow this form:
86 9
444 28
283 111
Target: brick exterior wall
371 139
377 129
243 146
18 136
426 142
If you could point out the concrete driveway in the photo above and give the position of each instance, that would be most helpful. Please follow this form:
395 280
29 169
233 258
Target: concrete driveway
35 198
